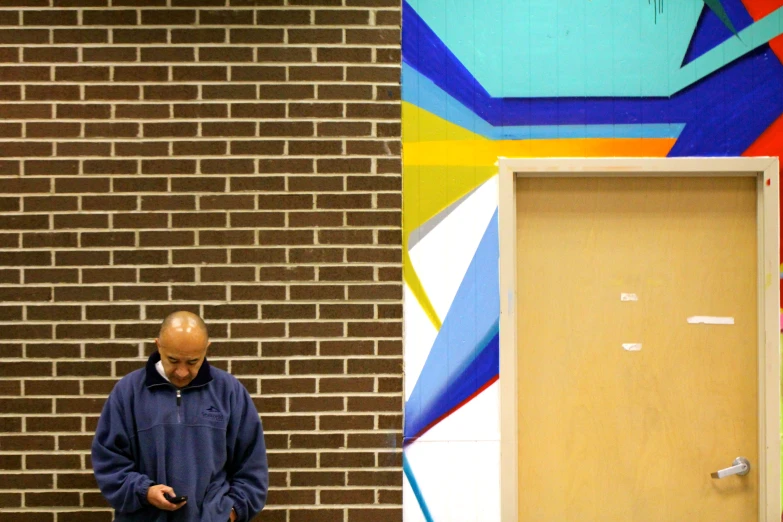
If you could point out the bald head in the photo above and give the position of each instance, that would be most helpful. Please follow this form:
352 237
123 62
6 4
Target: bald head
182 344
183 322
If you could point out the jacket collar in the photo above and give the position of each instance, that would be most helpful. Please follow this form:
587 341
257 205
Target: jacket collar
203 377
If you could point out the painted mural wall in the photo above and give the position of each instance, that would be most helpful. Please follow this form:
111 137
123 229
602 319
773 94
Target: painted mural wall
540 78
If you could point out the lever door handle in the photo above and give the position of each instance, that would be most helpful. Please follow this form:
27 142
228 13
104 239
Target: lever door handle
740 466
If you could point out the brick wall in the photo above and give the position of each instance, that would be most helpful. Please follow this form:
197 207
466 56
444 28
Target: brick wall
236 158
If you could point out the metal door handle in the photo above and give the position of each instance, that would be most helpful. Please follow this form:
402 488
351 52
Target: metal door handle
740 466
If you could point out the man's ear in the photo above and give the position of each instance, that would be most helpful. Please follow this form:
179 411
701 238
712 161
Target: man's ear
157 343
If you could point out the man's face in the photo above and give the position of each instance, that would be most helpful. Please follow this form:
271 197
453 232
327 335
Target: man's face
182 352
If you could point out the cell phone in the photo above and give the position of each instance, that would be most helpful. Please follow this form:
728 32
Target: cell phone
175 500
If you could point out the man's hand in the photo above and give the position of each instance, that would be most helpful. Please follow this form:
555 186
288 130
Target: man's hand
233 515
155 497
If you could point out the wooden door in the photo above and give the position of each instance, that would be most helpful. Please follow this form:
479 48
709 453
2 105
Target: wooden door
624 406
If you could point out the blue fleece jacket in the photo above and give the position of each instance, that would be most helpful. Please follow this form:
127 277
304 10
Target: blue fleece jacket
204 440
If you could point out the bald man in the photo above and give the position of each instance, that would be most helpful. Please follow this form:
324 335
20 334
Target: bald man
181 428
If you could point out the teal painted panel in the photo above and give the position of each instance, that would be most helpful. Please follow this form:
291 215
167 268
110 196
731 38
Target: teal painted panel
566 47
515 22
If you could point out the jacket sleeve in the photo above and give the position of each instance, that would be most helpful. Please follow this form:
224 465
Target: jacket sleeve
112 460
248 473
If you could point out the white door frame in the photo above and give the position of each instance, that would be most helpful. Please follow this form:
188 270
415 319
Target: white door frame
765 170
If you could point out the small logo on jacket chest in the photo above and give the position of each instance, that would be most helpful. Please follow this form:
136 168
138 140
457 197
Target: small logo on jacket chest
212 414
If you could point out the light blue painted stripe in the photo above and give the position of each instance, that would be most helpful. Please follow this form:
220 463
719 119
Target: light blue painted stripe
750 38
419 90
406 468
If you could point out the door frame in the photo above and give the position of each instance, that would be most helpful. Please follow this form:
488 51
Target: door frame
765 170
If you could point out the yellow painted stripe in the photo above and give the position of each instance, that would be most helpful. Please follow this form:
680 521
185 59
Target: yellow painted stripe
486 152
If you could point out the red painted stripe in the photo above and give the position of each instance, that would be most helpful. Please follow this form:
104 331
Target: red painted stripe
758 9
455 408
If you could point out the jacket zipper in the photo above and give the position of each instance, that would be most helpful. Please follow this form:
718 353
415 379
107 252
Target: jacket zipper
179 403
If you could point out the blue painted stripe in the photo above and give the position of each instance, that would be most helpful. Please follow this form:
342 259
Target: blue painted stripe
422 92
465 354
723 113
710 30
406 468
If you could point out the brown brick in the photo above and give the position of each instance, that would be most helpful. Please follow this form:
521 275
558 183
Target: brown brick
25 111
219 128
89 111
343 54
81 74
82 148
139 36
168 54
232 166
202 110
226 237
50 54
315 73
24 406
322 515
225 17
50 17
229 92
109 17
283 17
317 292
387 55
168 17
311 36
140 73
317 478
200 256
315 110
44 387
347 459
26 481
111 92
257 148
258 292
226 54
10 92
166 238
108 203
198 36
228 202
26 149
199 73
58 275
10 130
257 110
9 18
338 496
117 54
198 184
155 111
24 36
170 92
9 54
256 73
224 274
315 219
288 348
81 293
54 129
315 148
80 36
199 293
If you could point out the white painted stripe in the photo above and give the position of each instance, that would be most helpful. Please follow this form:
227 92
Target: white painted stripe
707 319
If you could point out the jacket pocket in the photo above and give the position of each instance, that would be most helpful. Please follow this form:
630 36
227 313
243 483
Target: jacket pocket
217 504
